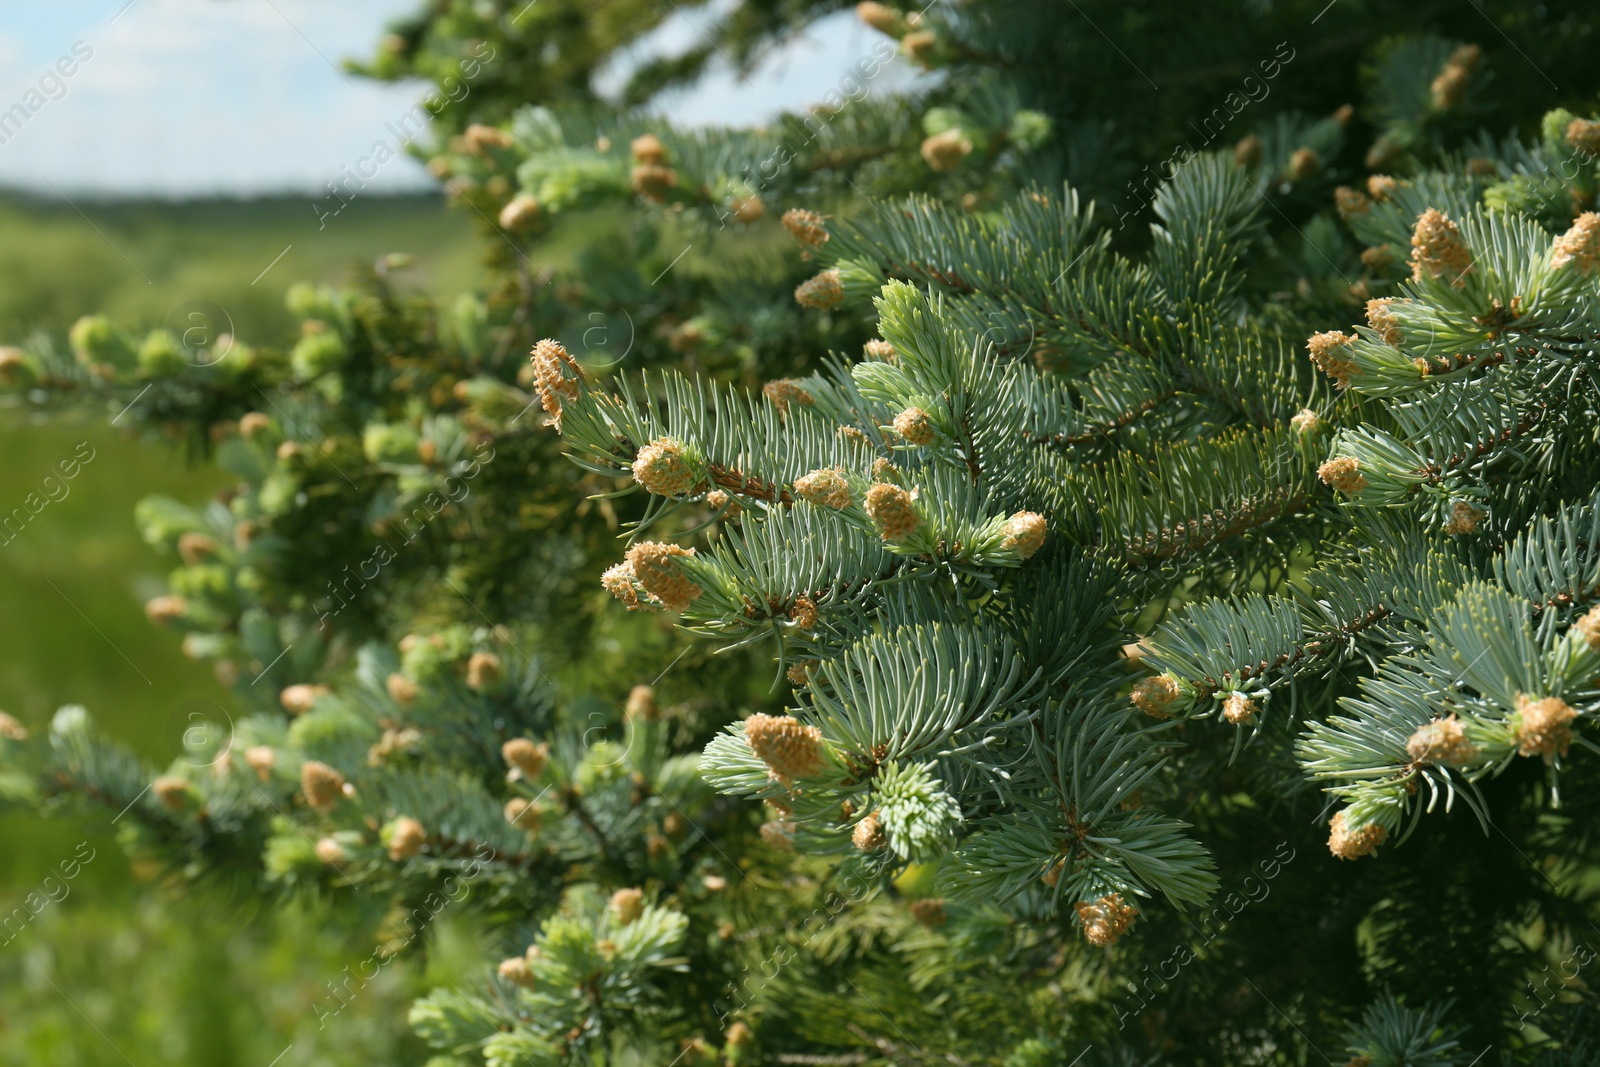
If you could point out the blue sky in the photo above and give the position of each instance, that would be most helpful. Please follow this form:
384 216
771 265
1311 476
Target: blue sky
192 97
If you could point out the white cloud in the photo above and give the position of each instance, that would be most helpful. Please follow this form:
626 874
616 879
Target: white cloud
13 51
185 97
800 72
192 97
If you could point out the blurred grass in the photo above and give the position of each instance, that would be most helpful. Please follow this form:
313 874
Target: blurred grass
137 262
116 973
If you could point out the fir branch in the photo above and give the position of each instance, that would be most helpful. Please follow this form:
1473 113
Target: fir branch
1192 535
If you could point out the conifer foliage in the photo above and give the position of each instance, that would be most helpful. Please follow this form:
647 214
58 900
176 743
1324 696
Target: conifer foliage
1074 614
917 511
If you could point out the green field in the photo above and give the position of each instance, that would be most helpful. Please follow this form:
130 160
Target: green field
137 262
114 972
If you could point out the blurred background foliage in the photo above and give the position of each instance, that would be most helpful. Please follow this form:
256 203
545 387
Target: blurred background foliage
207 988
116 973
150 256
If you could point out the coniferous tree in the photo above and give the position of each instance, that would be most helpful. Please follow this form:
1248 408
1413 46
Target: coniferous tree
1068 597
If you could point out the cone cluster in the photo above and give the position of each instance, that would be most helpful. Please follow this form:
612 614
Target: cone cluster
1544 727
1348 844
806 227
1239 709
913 425
1350 202
1024 533
483 670
825 488
1155 696
406 838
804 613
1306 422
402 690
1328 353
1106 918
165 609
944 151
662 468
618 580
1579 247
1437 250
1344 474
789 748
550 362
785 391
171 791
1589 628
627 905
1464 518
868 835
517 971
526 756
1449 87
821 291
641 705
517 809
1441 741
261 759
891 508
323 786
1381 318
519 214
655 566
